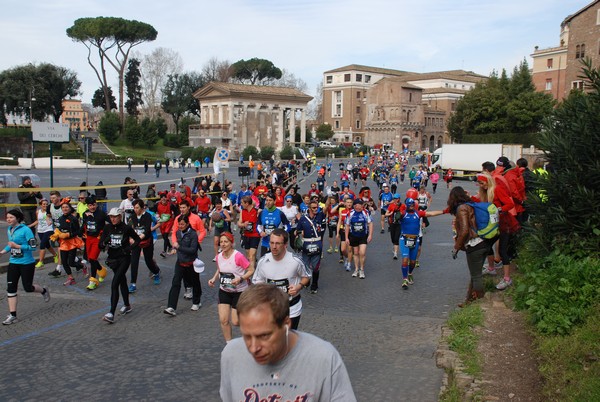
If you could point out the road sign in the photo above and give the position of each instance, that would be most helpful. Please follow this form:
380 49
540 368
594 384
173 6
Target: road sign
224 165
223 154
50 132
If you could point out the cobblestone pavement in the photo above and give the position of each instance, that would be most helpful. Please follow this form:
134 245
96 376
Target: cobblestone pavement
62 350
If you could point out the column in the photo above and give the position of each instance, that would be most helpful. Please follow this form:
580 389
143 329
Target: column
220 111
210 114
303 126
280 130
292 124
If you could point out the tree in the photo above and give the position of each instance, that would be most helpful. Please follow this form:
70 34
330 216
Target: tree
267 152
47 83
572 187
134 88
289 80
113 38
299 131
132 130
109 127
250 151
255 71
324 132
161 126
178 99
184 127
155 69
500 106
149 132
99 99
216 70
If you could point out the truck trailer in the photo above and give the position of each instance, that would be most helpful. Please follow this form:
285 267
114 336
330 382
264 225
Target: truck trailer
467 158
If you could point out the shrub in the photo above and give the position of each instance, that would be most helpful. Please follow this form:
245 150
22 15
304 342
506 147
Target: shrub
286 153
172 141
250 151
109 127
267 152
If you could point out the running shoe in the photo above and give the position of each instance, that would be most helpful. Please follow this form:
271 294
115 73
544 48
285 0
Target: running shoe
395 256
503 284
125 309
348 267
405 284
329 250
46 295
10 319
70 281
85 272
335 250
355 274
100 279
188 293
382 231
215 259
163 255
40 264
56 258
410 279
313 291
498 265
341 260
156 279
132 288
91 286
109 318
196 307
170 311
54 273
488 271
361 274
417 265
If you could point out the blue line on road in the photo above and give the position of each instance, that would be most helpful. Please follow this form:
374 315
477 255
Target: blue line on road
51 328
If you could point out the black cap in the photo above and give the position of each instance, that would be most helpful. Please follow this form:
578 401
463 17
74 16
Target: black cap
90 199
503 161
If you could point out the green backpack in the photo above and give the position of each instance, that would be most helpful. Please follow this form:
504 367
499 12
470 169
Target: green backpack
486 218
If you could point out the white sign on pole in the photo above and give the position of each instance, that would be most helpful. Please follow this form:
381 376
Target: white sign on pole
50 132
222 154
224 165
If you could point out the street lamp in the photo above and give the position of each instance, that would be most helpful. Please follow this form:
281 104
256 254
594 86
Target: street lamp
31 100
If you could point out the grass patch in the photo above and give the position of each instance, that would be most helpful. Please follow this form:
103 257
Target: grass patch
140 151
464 338
452 392
577 376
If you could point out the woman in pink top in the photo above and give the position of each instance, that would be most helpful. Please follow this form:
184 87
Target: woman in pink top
233 271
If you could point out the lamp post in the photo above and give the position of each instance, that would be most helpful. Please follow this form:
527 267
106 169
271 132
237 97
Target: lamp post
86 150
31 100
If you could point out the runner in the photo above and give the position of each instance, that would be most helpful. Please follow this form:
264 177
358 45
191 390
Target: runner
44 231
187 245
94 220
359 232
345 249
67 234
332 211
141 222
21 265
166 211
292 214
284 270
269 219
118 239
233 272
311 228
394 215
248 224
384 200
219 220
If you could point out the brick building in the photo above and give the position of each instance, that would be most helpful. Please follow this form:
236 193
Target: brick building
358 108
556 69
74 114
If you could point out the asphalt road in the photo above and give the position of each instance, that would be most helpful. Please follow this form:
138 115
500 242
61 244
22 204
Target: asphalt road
387 336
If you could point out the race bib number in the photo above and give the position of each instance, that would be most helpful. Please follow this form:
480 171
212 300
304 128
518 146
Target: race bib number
410 242
91 226
220 224
165 217
116 240
249 226
282 284
269 230
226 279
312 248
16 253
358 227
139 231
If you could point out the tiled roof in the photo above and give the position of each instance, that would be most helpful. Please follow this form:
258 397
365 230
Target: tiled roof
369 69
263 90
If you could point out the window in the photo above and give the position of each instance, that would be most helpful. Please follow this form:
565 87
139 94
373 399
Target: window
329 79
337 124
358 77
580 51
410 96
577 85
357 94
358 124
338 110
549 63
367 78
598 17
338 96
358 110
548 84
346 77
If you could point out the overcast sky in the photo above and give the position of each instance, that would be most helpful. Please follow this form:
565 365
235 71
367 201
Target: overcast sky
306 37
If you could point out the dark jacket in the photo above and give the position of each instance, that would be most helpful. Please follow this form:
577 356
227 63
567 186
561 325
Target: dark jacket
115 238
27 197
188 246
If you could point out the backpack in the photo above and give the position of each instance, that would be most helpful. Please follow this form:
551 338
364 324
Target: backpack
486 218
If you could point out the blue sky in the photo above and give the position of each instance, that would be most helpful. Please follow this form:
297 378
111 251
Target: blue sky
304 37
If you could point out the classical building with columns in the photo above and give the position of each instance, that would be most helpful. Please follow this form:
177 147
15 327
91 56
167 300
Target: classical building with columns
235 116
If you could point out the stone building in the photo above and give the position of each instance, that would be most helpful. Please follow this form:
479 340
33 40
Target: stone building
556 70
350 109
235 116
74 114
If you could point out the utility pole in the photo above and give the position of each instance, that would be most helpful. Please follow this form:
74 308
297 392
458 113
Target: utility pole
31 100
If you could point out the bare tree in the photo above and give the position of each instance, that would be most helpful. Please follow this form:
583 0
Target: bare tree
216 70
314 110
156 68
289 80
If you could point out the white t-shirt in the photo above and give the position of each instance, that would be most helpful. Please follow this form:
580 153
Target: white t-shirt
312 371
290 213
43 225
284 273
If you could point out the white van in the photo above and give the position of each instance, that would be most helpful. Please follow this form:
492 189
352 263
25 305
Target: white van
326 144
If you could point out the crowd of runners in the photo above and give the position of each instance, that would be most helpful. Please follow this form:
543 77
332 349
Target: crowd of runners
283 233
